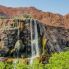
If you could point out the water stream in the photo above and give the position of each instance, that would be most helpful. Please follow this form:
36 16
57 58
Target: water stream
17 47
34 41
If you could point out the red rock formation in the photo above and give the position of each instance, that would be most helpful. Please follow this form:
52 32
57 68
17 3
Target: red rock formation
45 17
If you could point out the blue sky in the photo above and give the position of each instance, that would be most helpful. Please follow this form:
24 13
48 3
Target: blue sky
56 6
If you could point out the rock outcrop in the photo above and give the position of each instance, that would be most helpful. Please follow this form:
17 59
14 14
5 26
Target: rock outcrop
57 38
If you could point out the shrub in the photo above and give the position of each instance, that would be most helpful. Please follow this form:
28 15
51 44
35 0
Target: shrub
8 66
2 65
59 60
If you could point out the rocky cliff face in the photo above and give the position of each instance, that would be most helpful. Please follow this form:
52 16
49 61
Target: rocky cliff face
47 18
57 38
53 27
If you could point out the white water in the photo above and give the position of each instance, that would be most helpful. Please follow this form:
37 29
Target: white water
34 41
17 47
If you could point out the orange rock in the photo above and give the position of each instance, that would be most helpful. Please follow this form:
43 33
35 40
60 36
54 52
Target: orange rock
47 18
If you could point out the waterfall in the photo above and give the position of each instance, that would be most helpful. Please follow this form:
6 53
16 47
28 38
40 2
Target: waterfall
34 41
17 47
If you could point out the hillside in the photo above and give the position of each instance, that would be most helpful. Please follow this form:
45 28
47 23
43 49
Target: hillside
47 18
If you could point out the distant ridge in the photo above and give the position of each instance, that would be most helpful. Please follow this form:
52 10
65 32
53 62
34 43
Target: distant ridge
47 18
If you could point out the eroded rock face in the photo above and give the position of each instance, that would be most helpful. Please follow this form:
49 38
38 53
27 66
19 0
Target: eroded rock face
57 38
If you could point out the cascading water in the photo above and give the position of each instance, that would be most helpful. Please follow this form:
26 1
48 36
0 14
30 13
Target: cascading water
17 47
34 41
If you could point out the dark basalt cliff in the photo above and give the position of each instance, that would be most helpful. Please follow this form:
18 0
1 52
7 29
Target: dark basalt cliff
57 38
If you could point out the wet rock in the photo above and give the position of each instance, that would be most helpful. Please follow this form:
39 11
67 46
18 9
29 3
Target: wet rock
57 38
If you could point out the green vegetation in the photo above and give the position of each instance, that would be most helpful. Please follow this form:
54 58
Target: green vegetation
57 61
27 16
3 17
22 16
2 65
